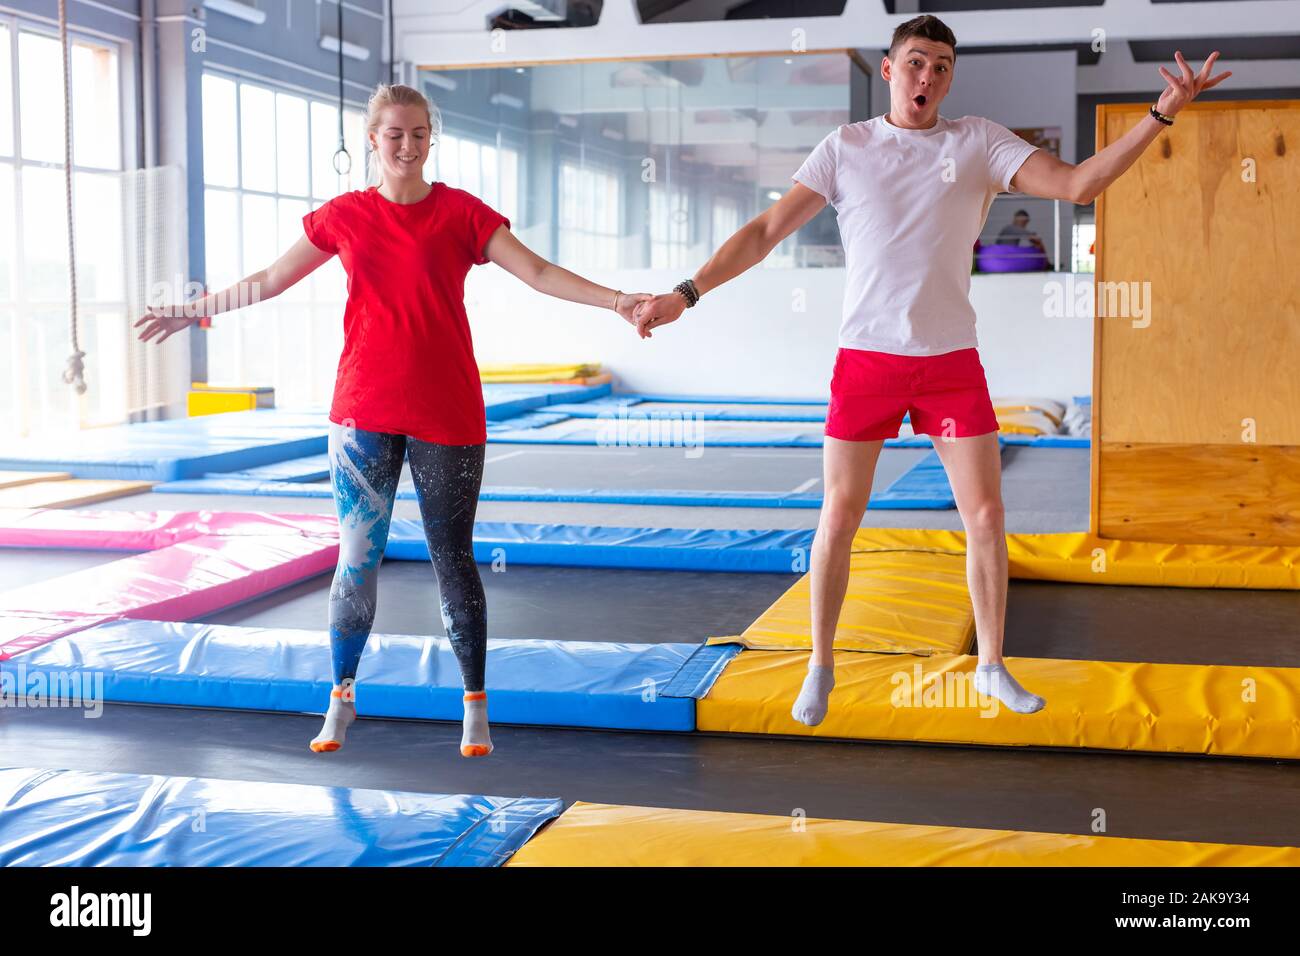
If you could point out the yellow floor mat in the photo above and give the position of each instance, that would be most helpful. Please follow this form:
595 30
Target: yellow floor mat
1166 708
898 602
1025 423
594 834
1081 558
67 493
539 372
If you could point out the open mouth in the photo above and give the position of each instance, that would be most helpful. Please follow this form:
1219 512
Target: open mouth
919 99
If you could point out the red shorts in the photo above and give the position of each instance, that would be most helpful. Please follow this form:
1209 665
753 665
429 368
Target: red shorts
946 395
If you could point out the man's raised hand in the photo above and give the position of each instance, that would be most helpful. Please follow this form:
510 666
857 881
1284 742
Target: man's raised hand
1185 88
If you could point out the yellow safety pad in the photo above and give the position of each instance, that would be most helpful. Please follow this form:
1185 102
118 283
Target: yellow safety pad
1105 705
898 602
11 479
596 834
536 372
601 379
1051 409
72 491
1024 423
216 403
1081 558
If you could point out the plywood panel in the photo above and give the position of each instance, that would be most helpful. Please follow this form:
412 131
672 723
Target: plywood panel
1194 375
1224 494
1212 335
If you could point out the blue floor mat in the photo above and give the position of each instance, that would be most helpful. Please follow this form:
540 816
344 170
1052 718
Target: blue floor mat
547 683
85 818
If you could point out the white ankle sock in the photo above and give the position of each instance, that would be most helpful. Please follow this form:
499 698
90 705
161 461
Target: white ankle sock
475 741
342 711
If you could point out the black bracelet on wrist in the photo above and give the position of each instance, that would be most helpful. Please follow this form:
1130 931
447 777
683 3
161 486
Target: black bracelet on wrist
686 288
1161 117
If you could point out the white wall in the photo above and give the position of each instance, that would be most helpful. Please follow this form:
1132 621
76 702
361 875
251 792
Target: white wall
745 338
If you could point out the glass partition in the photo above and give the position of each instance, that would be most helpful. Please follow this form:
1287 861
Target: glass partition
641 163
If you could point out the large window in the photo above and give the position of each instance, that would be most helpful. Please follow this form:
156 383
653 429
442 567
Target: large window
268 158
589 216
645 163
670 221
35 334
489 172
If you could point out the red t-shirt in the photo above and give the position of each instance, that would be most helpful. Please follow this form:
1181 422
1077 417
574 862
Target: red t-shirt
408 364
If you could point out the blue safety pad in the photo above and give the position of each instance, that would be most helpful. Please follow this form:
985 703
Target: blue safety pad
924 485
652 496
605 433
658 432
896 497
506 400
217 485
604 408
529 420
90 818
175 449
910 441
184 448
311 468
584 546
890 499
549 683
722 399
1048 441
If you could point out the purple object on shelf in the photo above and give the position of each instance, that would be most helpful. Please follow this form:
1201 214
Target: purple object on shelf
1004 257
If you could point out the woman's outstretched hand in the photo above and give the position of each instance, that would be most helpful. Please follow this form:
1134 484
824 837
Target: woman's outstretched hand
1183 89
658 311
164 321
627 305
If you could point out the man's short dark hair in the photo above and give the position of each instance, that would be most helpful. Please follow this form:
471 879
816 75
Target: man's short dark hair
927 28
1021 212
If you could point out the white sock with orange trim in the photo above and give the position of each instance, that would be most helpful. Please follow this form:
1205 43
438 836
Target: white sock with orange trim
342 711
475 740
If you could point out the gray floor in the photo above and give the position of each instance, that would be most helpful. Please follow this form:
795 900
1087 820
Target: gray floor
1155 797
738 408
710 469
569 604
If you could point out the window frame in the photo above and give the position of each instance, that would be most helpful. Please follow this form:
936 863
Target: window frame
29 405
312 300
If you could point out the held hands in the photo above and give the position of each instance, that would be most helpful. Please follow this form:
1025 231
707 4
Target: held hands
628 303
167 320
1183 89
658 311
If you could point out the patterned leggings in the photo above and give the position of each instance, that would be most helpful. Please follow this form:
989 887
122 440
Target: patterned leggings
365 468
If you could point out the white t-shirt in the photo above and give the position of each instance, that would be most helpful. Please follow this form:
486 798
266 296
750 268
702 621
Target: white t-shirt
911 203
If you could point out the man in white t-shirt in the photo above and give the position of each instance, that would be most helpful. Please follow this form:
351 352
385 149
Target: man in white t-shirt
912 191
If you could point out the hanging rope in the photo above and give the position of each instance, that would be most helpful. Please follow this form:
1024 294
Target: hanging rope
75 369
342 158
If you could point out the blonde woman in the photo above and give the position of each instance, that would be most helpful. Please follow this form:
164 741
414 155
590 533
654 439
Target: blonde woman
407 385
